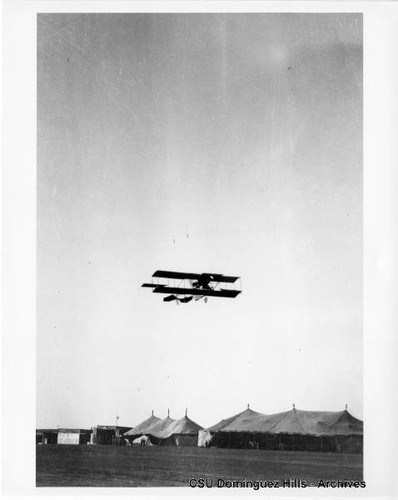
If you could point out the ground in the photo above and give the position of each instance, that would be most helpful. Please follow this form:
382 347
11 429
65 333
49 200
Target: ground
68 465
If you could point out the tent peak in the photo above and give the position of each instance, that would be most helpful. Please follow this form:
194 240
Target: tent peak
186 412
294 406
248 406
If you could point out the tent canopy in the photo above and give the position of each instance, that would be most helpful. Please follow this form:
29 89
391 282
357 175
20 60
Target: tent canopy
143 427
185 426
162 429
316 423
238 420
346 425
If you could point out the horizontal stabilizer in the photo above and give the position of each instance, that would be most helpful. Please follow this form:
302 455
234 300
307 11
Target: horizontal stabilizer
169 298
185 299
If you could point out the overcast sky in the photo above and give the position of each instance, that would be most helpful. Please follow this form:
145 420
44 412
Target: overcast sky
227 143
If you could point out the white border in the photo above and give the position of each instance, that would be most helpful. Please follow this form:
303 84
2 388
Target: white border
380 237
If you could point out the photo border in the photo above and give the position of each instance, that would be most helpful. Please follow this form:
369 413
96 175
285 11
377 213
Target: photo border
19 238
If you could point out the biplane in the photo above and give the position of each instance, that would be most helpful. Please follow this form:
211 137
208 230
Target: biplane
183 287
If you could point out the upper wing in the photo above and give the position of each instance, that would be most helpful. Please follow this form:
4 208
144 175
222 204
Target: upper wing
175 275
219 278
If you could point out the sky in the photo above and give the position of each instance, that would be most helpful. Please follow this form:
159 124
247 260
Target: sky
225 143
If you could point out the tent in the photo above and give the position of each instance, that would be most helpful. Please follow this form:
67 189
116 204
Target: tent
345 425
167 431
184 432
161 430
143 427
345 435
205 436
142 441
291 430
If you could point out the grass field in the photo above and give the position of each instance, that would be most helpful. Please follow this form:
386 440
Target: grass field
171 466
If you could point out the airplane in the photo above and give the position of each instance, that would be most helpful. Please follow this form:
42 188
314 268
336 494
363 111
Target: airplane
191 286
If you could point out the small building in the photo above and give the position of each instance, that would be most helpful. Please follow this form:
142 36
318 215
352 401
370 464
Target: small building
108 434
46 436
63 436
73 436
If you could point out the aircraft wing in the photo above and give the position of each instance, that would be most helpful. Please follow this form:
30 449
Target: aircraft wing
175 275
197 291
219 278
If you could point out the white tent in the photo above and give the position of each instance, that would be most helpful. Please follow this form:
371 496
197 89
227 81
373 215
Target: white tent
142 441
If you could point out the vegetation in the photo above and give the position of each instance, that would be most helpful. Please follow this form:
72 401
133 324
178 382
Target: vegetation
65 465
